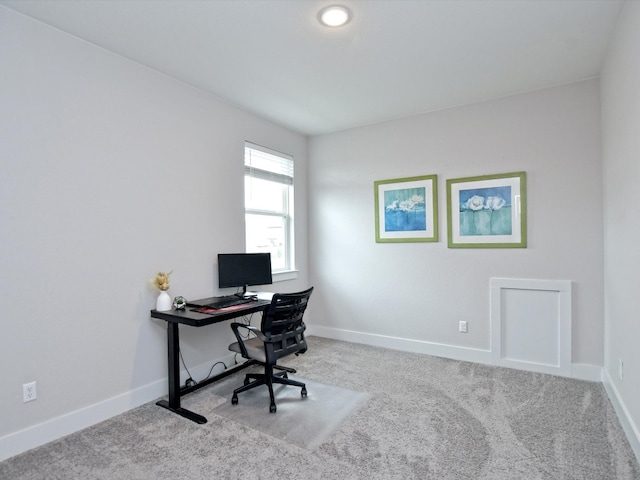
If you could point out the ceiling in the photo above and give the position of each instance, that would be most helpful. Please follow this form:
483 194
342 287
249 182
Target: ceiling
393 59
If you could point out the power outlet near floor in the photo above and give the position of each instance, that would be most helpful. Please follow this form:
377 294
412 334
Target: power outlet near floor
29 393
462 326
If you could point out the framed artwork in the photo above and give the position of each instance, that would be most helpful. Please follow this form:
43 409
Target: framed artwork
488 211
407 209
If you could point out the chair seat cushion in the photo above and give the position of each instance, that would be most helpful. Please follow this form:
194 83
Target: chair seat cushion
255 349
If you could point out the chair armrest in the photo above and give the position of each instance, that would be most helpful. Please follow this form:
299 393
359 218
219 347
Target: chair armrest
256 331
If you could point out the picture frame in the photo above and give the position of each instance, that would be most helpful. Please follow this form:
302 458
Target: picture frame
488 211
406 209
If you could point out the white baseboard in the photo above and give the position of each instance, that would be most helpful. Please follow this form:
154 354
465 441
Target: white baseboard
579 371
630 428
403 344
583 371
18 442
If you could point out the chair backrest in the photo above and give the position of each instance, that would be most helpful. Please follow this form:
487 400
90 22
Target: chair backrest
282 324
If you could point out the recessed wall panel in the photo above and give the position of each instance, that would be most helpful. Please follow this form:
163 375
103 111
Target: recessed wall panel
531 324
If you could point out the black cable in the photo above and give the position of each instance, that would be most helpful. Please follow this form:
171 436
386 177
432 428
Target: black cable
185 367
211 370
196 382
247 321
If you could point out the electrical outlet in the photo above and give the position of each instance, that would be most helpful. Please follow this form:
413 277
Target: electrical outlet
29 392
620 369
462 326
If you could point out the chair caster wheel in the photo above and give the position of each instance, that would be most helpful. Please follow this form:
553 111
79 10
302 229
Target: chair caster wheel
303 392
272 408
284 375
234 399
246 381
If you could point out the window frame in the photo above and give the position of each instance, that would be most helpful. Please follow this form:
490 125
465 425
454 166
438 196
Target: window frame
283 178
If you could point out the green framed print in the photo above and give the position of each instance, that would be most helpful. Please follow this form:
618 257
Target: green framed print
407 209
489 211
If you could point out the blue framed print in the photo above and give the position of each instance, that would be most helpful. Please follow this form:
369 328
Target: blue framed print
406 209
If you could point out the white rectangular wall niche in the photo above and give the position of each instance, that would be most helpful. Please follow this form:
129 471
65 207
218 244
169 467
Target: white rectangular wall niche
531 324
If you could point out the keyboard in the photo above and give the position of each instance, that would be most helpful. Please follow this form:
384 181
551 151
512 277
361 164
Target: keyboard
228 302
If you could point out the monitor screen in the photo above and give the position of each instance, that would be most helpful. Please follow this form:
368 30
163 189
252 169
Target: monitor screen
242 269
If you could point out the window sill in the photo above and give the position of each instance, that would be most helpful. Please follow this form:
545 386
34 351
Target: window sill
283 276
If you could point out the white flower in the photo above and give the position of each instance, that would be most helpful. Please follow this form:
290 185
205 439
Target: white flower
495 203
407 205
474 203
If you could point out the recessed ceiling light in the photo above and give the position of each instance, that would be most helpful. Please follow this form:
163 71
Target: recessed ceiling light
334 16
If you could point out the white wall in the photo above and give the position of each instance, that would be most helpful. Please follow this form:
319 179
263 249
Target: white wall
621 159
110 172
419 291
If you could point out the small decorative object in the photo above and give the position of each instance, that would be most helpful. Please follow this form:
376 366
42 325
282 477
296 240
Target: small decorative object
407 209
179 303
163 302
488 211
161 282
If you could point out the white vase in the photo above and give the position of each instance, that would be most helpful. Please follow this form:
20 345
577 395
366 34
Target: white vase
163 303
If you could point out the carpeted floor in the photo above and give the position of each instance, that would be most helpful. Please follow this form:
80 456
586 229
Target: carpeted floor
420 417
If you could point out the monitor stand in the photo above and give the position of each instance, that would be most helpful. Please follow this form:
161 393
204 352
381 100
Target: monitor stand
246 294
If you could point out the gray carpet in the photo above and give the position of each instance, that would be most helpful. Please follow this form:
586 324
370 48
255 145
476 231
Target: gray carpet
424 418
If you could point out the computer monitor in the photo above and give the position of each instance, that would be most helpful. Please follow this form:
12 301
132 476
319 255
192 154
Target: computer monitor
244 269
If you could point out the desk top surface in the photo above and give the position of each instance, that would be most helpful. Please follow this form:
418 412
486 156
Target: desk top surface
189 316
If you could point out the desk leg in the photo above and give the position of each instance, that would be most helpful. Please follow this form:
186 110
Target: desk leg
173 350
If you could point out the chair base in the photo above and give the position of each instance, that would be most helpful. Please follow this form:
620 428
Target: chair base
268 380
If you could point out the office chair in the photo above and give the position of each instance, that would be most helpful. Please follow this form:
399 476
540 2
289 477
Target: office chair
281 333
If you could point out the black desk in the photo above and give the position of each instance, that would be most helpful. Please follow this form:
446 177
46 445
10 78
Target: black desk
194 319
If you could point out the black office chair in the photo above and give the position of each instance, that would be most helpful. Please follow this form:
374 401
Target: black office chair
281 334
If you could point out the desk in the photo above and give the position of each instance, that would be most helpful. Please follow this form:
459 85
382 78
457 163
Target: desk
194 319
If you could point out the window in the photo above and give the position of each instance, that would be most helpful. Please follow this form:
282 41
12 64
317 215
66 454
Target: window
268 205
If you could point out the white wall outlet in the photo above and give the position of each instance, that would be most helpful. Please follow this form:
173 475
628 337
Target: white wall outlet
620 369
462 326
29 392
